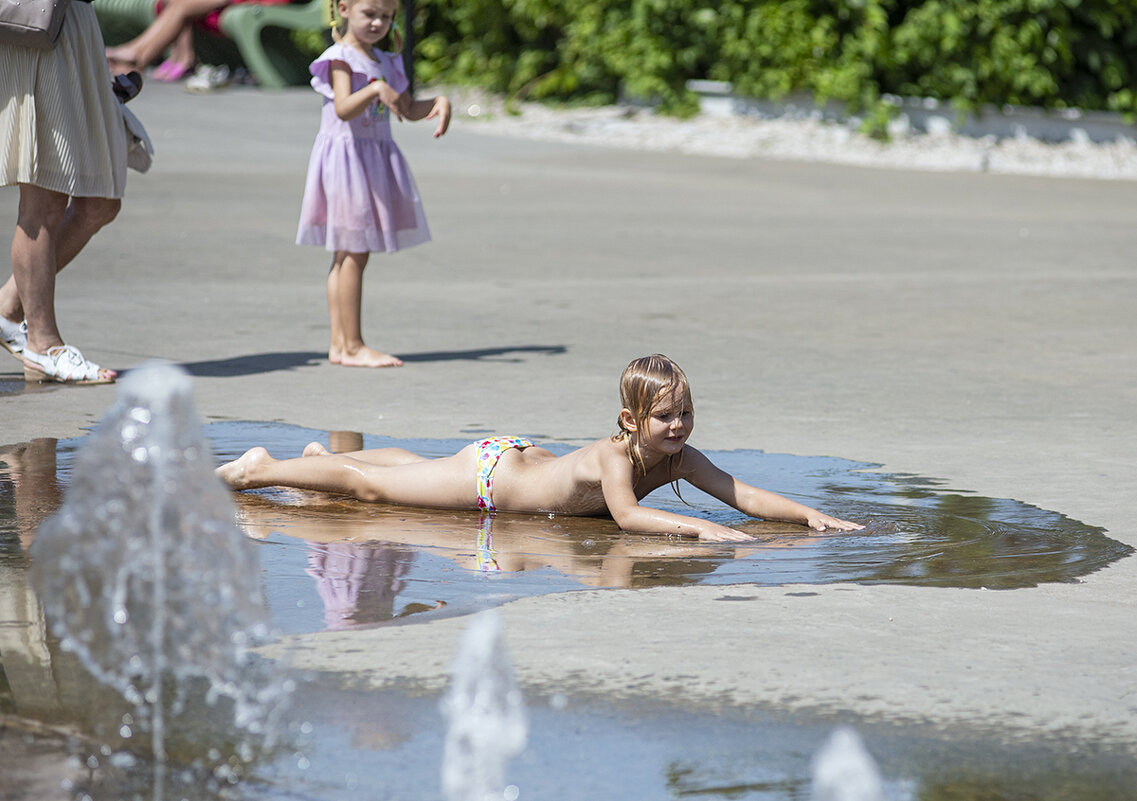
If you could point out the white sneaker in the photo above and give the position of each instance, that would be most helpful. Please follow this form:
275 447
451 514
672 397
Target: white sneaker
207 78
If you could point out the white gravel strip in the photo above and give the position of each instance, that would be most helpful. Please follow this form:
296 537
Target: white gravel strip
802 139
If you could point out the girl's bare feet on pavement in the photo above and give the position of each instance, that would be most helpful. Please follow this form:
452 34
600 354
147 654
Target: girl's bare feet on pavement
364 357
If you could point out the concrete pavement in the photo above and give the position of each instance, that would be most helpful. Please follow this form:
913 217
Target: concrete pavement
975 328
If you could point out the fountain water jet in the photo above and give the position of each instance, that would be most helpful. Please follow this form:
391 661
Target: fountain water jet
486 713
143 574
843 770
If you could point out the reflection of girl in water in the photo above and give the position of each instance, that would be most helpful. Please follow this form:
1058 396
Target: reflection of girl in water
357 583
609 476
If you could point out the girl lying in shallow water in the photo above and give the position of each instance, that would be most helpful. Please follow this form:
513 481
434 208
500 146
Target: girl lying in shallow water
609 476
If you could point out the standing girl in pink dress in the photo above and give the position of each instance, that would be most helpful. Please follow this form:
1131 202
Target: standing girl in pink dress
360 197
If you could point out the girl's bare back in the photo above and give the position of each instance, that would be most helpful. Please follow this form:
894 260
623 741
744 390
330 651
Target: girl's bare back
535 480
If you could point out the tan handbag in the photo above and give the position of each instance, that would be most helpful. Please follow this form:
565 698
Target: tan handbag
31 23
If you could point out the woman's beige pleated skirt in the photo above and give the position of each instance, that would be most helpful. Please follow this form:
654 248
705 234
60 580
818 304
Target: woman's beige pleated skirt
61 126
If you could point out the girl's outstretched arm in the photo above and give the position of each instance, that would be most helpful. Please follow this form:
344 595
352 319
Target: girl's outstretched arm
701 472
350 105
429 109
620 498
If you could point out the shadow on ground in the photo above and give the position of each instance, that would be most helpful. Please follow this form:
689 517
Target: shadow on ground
257 363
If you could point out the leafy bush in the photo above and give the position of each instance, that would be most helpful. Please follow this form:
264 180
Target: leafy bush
1054 53
1051 53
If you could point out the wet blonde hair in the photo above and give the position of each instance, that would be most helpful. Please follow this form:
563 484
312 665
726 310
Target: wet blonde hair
391 43
644 385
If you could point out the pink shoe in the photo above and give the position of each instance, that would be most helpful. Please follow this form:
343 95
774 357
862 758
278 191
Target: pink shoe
170 71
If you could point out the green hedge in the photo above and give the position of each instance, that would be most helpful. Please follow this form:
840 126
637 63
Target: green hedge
1050 53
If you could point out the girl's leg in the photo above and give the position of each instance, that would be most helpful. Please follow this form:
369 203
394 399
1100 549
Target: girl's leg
379 456
448 483
335 349
345 310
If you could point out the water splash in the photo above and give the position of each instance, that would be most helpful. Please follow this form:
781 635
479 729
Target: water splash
143 574
486 713
843 770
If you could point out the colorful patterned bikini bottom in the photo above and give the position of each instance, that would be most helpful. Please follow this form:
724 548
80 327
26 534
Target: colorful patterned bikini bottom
489 451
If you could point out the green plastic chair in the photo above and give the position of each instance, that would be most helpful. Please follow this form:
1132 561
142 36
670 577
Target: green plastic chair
262 36
123 19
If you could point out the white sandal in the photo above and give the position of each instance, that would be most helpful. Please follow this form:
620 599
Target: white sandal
13 336
64 364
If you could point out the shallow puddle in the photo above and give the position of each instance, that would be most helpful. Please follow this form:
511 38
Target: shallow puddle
332 562
329 563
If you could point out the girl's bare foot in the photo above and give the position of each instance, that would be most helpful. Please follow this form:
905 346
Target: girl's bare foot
369 357
241 473
315 449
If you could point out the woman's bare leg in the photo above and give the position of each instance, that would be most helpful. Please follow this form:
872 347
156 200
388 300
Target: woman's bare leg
51 229
82 219
85 217
446 483
34 264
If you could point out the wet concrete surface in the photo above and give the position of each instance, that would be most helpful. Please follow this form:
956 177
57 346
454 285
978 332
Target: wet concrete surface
972 328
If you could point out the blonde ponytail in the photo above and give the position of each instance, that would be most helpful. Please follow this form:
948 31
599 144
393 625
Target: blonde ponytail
337 23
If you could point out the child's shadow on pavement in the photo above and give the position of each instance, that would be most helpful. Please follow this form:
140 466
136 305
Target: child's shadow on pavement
255 363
